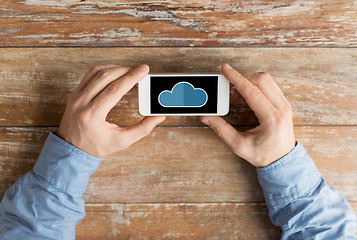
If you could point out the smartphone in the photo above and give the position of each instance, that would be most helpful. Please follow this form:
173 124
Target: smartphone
184 95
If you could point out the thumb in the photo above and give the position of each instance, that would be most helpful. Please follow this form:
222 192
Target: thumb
225 131
139 130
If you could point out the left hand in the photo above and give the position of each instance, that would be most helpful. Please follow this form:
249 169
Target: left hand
84 122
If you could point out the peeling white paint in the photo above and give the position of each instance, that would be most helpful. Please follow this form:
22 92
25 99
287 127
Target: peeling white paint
9 31
118 217
240 40
172 234
41 36
112 33
339 18
85 7
114 232
48 3
34 97
153 15
286 10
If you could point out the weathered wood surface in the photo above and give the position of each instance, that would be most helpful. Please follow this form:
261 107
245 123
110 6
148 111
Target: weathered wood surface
178 23
320 83
184 165
180 182
177 221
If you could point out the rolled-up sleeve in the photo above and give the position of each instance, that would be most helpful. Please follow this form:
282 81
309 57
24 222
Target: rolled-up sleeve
301 202
47 202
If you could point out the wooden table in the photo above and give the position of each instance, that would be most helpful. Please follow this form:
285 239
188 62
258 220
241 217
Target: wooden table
181 182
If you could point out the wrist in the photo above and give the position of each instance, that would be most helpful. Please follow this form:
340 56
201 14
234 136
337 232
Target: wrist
289 151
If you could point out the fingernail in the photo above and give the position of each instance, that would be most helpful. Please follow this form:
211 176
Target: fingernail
205 121
227 67
143 68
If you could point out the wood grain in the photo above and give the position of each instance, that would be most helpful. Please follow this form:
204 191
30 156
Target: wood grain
178 23
177 221
180 182
320 83
187 164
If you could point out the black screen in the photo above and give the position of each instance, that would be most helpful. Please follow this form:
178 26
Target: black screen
186 94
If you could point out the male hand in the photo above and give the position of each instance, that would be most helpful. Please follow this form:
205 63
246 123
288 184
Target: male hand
84 122
274 137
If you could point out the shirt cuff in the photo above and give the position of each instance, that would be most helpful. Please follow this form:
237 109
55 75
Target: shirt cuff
293 176
64 166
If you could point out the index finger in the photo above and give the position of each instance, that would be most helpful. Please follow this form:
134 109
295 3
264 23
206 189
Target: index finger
91 73
112 93
251 93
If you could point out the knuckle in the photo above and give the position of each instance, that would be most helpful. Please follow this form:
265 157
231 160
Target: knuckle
112 88
254 91
278 118
234 81
220 130
104 73
131 74
264 76
74 102
74 105
84 118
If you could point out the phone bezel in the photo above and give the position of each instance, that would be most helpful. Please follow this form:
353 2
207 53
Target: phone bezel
222 96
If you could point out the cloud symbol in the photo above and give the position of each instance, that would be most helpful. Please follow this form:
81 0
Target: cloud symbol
183 94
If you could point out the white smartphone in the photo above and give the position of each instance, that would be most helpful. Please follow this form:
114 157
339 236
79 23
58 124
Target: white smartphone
183 95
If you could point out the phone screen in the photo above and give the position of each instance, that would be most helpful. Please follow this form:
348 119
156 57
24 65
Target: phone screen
183 94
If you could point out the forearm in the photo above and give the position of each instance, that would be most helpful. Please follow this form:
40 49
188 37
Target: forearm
300 201
47 202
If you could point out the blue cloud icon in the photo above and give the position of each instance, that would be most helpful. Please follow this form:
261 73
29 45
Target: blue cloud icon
183 94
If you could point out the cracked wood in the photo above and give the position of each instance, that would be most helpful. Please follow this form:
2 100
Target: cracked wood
320 83
189 164
178 23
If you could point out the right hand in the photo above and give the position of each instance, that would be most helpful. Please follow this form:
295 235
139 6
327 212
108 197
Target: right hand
274 137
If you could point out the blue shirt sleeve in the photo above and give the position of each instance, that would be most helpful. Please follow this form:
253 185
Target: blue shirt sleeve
301 202
47 202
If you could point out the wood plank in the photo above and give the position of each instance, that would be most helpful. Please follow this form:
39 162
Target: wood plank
187 164
178 23
320 83
177 221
